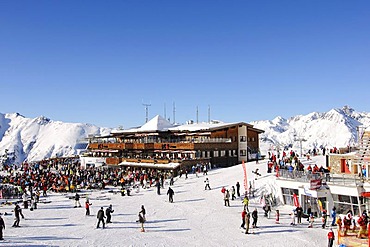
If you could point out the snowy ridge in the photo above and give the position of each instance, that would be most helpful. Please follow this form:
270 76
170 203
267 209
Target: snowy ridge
337 127
39 138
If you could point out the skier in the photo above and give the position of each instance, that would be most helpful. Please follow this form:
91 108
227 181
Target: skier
2 227
77 200
170 194
17 212
226 198
254 217
108 212
331 238
100 217
238 189
246 202
207 184
87 206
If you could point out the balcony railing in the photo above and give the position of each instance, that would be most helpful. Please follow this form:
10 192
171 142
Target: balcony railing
202 140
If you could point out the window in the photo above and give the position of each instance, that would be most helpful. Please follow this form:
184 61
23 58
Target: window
243 152
243 138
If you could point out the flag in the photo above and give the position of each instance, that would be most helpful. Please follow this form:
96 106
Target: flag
245 177
295 200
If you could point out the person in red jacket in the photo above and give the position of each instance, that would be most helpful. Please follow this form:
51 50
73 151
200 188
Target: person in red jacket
331 238
243 219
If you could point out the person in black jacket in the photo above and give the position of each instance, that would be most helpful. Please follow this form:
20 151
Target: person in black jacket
2 226
18 213
77 200
254 217
108 212
100 217
170 194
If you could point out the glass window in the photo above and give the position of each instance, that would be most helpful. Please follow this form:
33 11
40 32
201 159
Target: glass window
354 200
243 138
243 152
343 198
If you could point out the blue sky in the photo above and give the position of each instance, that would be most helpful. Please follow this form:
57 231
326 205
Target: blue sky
99 61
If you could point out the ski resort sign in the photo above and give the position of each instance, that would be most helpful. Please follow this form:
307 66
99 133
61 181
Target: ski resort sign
315 184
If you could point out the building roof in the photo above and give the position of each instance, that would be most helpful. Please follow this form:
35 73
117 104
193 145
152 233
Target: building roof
159 124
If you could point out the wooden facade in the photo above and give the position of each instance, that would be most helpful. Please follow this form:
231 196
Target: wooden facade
217 145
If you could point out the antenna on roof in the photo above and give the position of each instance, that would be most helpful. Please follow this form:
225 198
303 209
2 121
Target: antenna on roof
165 117
209 113
146 111
174 113
197 114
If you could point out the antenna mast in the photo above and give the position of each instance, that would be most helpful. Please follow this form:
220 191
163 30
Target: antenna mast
197 114
174 113
209 113
146 111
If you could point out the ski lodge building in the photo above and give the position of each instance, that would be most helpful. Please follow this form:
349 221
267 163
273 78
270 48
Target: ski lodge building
162 145
347 186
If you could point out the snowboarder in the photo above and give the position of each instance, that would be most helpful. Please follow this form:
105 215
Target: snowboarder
108 212
207 184
17 213
77 200
331 238
170 194
100 217
2 227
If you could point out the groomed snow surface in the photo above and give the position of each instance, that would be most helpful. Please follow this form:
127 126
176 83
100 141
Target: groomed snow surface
197 217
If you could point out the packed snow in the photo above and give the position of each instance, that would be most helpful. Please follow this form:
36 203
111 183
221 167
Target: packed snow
197 217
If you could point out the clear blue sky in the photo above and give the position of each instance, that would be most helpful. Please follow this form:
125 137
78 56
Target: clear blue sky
98 61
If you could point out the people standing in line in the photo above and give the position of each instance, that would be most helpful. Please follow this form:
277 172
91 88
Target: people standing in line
226 198
331 238
207 184
247 222
100 217
170 194
333 215
18 213
87 206
2 227
238 189
109 212
255 218
243 219
77 200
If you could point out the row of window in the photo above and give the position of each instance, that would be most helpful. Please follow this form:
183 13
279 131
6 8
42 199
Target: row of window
244 139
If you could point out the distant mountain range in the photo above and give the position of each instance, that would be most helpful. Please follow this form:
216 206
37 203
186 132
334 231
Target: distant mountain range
35 139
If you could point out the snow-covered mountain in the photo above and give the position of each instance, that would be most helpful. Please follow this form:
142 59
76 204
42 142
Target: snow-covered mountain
34 139
335 128
38 138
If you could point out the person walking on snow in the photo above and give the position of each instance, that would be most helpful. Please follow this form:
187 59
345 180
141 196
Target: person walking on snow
247 222
233 193
87 206
170 194
100 217
141 221
207 184
238 189
226 198
77 200
143 212
331 238
254 217
17 213
108 212
243 219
